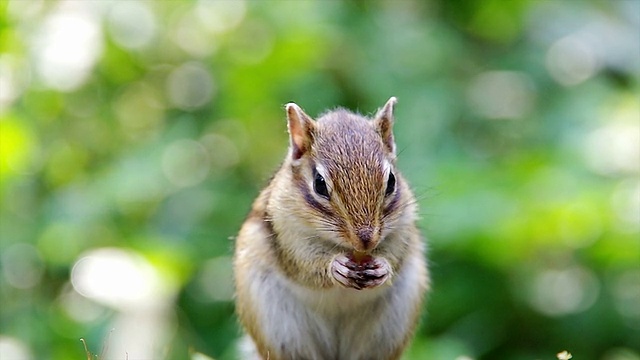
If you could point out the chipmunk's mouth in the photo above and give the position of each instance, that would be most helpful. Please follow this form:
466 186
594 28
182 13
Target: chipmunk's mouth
360 257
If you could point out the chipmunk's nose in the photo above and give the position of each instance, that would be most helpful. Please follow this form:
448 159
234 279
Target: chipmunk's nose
366 234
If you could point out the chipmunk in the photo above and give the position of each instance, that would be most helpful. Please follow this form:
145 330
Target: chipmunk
329 263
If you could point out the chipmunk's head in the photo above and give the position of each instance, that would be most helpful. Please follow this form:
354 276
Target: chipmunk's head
343 167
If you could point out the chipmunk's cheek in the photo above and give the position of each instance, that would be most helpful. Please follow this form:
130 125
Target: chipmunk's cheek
360 275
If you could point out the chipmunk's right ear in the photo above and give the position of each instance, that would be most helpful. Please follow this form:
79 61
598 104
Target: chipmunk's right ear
383 123
301 130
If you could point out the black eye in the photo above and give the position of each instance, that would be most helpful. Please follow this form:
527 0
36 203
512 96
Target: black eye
391 185
319 185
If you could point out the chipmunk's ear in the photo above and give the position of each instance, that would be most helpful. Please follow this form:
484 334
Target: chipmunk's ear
383 123
301 130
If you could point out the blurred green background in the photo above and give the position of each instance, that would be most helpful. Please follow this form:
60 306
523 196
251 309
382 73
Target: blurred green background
135 134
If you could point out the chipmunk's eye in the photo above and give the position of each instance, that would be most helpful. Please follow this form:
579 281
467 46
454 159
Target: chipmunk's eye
391 184
319 185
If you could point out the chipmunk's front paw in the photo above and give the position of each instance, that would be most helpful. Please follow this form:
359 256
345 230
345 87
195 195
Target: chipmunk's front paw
367 273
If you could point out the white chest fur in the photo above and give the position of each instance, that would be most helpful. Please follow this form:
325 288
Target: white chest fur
342 323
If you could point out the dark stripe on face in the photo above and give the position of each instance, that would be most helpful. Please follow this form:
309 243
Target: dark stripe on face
285 263
303 187
267 223
311 201
273 236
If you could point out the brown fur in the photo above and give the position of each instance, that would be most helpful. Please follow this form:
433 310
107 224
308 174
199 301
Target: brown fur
292 238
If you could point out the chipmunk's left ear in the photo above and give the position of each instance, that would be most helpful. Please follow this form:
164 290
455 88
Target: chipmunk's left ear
383 123
301 130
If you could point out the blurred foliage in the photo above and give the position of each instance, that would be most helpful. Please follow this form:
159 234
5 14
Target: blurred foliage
135 134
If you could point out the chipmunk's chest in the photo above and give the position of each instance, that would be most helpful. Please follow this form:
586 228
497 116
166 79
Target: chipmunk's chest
338 302
342 322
